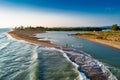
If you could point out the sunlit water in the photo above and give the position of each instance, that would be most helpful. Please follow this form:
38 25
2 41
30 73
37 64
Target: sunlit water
108 55
20 60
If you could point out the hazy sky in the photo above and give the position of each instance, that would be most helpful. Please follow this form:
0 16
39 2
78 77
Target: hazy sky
56 13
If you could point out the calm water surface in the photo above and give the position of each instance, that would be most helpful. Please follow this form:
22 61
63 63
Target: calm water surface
108 55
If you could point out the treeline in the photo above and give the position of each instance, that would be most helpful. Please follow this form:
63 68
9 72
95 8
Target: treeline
115 27
75 29
29 28
59 29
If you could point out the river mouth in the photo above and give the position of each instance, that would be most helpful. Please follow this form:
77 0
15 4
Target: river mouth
107 55
20 58
24 61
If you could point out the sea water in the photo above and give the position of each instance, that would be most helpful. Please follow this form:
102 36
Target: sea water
20 60
109 56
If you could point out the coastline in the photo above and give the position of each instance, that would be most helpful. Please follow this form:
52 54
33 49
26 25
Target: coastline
29 37
113 44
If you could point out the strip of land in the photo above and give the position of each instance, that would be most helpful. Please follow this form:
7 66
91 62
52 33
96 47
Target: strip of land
111 38
28 35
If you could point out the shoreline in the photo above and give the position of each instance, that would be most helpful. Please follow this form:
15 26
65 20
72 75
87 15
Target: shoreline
112 44
29 37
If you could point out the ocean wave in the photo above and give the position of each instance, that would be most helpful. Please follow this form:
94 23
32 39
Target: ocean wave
89 65
82 76
56 57
21 60
3 45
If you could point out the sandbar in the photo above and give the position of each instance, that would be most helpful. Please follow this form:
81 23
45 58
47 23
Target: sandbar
113 44
29 37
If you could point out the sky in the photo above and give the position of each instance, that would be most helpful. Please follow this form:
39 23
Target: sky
59 13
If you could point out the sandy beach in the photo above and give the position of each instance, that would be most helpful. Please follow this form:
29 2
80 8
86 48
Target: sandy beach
87 68
113 44
28 36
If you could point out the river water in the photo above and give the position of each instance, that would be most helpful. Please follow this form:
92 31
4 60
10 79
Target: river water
20 60
108 55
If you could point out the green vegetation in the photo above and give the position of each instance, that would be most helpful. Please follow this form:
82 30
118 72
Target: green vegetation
109 35
75 29
59 29
115 27
87 33
40 28
113 35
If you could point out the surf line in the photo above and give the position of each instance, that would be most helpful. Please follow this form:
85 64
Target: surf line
82 75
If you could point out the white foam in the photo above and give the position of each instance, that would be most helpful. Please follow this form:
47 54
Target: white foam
2 35
106 70
103 67
35 55
10 37
110 75
44 39
82 76
3 45
50 48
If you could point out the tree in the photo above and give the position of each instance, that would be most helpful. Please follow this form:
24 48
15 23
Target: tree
115 27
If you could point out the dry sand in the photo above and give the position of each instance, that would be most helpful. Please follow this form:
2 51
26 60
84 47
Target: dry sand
113 44
28 36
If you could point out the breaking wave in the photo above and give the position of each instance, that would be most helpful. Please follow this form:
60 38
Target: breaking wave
23 61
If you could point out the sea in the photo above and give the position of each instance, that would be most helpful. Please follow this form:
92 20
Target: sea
21 60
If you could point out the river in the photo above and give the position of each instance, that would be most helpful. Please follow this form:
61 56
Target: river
20 60
108 55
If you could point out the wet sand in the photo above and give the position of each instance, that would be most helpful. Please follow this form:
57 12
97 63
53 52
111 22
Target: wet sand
113 44
29 37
